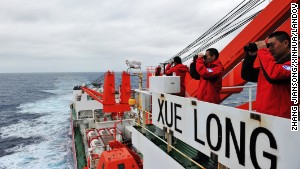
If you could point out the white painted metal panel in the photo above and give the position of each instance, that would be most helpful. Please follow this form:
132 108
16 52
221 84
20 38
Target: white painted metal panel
83 104
210 128
153 156
90 105
164 84
145 102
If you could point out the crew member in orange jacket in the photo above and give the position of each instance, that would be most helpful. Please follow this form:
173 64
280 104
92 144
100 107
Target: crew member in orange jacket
210 70
177 68
273 77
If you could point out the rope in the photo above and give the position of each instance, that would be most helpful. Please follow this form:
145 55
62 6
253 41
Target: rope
211 42
210 37
214 27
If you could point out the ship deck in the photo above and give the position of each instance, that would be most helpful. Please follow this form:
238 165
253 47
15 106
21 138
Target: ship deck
79 146
189 151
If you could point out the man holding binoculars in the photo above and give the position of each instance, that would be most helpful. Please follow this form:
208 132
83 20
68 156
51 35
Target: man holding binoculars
210 70
273 77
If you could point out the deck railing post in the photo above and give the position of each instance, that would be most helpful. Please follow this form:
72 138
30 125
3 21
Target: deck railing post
168 136
250 98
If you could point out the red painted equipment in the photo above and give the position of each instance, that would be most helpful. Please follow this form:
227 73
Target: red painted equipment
125 89
148 118
109 89
120 156
117 145
108 97
150 72
115 159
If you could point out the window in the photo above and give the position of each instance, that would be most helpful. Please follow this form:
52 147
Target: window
121 166
85 114
99 113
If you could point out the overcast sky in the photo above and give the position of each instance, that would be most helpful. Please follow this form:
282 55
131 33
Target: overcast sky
99 35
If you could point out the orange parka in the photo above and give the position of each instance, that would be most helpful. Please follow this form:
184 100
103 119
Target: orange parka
210 83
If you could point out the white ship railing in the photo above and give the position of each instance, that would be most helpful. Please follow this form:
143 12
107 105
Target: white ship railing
250 90
142 123
143 113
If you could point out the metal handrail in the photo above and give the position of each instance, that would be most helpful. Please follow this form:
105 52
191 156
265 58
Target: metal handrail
199 165
237 87
250 87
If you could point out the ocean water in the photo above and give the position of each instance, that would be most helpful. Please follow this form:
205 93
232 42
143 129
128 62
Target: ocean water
35 118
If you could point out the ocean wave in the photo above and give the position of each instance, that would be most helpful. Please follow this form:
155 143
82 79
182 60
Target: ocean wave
51 126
